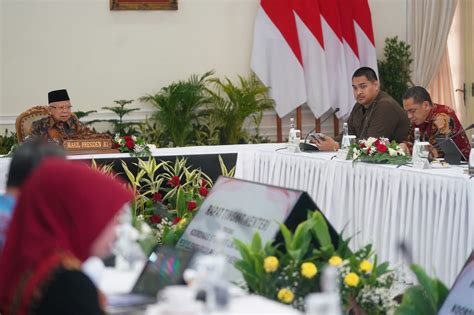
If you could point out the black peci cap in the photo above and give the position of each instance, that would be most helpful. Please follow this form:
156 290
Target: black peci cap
58 96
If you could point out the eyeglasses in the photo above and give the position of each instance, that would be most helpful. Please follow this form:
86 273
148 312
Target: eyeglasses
62 108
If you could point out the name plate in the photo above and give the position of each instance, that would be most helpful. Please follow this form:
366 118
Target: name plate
100 145
236 209
460 298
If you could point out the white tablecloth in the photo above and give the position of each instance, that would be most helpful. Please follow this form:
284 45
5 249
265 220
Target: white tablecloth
197 150
432 211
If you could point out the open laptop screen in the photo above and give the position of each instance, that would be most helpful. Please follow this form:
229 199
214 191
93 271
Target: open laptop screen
165 266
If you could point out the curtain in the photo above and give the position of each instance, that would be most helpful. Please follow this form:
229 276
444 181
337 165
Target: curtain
428 27
441 88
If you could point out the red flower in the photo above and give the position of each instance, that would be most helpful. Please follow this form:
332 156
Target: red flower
155 219
157 197
203 182
115 145
130 144
362 145
128 138
174 181
203 191
192 205
381 147
176 220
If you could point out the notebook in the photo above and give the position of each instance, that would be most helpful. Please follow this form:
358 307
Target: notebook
165 266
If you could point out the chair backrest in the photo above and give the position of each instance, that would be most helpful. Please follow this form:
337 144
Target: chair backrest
25 119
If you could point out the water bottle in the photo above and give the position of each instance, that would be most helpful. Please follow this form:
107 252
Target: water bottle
416 135
328 301
216 287
416 140
292 134
471 157
345 143
345 129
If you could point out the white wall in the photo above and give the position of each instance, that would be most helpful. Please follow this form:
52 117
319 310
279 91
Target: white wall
101 55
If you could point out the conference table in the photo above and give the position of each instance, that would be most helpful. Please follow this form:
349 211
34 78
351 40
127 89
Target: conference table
430 211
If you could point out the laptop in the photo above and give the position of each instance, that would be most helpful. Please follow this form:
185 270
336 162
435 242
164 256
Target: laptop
460 297
165 266
452 154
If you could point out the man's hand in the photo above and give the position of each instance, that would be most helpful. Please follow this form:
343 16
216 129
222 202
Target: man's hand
405 148
325 143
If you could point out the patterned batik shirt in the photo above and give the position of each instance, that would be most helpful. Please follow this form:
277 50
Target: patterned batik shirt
57 131
442 122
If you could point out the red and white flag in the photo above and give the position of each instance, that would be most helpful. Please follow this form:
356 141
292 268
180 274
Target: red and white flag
276 55
351 51
364 33
336 64
308 22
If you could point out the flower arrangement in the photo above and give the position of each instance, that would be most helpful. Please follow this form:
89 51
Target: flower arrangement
168 195
378 150
131 144
290 271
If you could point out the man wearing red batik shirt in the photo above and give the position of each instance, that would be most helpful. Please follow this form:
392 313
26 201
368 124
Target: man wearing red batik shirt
434 121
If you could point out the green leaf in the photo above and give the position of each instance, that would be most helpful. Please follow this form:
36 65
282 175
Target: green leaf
442 292
415 297
286 235
256 245
427 284
180 202
321 230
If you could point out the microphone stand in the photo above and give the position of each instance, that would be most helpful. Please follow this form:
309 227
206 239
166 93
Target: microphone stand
305 147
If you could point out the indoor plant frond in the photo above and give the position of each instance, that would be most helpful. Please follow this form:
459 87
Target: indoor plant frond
234 103
178 106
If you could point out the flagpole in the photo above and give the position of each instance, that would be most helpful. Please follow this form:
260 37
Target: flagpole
317 125
299 123
278 123
336 126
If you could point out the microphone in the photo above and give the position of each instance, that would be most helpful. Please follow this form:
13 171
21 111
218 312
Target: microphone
310 147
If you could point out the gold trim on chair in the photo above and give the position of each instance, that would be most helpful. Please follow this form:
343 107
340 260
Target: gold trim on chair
24 120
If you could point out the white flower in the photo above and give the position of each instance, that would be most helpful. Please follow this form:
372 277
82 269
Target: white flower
355 154
134 138
373 150
370 141
392 152
117 137
139 148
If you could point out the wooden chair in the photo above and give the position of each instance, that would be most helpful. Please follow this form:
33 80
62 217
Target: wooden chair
25 119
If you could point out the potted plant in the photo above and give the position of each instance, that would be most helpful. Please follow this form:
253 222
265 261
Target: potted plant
394 70
178 107
232 104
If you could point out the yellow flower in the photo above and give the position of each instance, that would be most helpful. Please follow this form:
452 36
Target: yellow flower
182 223
351 279
270 264
286 296
308 270
365 266
335 261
